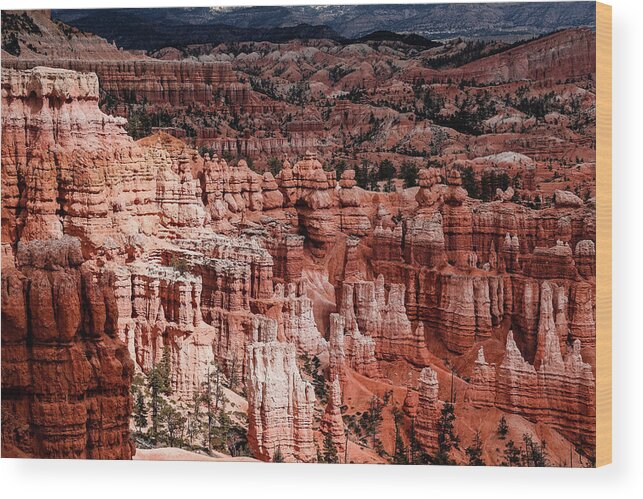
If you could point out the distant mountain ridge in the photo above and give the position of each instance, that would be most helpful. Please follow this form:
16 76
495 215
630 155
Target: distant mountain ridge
135 31
432 21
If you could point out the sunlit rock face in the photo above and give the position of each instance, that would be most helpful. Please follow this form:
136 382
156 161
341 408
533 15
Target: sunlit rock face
280 403
82 174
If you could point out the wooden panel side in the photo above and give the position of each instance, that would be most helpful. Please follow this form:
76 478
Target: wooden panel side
603 234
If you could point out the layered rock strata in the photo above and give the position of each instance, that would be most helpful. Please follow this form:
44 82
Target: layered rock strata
332 422
428 411
559 393
65 374
67 167
381 315
280 404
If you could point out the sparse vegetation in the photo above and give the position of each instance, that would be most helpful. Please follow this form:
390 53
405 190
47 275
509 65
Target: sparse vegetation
179 264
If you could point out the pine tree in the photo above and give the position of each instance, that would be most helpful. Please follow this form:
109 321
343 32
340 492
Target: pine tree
174 424
474 451
330 451
238 441
213 398
361 175
278 457
373 420
386 170
447 439
401 452
194 419
534 454
232 379
503 428
409 174
469 182
511 455
221 431
311 367
140 412
159 385
373 181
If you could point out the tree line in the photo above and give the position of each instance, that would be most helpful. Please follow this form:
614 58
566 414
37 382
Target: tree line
202 424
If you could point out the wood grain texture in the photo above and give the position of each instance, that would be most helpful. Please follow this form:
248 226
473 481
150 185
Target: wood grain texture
603 234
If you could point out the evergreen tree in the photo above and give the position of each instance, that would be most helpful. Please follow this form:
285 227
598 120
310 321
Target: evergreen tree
221 431
386 170
174 424
474 451
340 167
374 419
373 181
278 457
469 182
274 165
492 180
534 454
312 367
503 428
409 174
140 409
361 175
447 439
330 451
238 441
401 452
159 385
194 419
140 412
233 378
212 397
487 189
511 455
418 456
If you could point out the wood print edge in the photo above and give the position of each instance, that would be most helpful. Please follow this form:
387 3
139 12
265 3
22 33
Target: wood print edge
603 234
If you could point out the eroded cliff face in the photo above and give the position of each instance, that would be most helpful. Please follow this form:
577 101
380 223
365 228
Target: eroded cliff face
67 167
159 249
280 403
567 53
558 388
65 374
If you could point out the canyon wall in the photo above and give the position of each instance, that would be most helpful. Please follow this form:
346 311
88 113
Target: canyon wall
65 374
